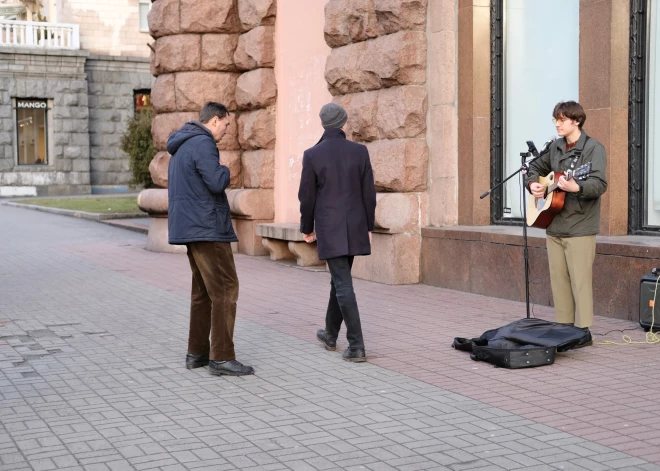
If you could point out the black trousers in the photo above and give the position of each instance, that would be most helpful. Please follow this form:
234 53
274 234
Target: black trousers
343 304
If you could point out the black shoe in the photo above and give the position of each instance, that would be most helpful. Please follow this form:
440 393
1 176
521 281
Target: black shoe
196 361
354 354
230 368
588 340
330 344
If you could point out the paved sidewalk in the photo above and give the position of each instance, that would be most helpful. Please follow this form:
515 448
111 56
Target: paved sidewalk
93 333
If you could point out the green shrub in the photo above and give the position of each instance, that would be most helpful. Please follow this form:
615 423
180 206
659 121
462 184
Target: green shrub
139 146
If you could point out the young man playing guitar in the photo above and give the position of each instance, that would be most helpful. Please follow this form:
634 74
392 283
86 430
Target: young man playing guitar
571 235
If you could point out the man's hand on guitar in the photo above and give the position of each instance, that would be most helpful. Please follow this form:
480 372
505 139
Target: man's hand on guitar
537 189
569 186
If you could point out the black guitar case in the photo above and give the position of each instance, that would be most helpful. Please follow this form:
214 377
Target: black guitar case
524 343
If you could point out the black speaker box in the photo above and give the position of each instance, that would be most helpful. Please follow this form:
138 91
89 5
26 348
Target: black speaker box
647 290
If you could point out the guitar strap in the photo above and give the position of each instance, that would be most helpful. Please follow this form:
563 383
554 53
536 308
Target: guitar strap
578 153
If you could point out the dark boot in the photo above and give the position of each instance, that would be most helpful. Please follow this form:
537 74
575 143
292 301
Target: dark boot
354 354
330 344
196 361
230 368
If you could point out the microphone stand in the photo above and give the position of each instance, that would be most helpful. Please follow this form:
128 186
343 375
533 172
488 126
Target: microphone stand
523 168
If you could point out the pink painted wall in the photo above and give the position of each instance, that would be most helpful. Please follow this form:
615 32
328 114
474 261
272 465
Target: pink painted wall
301 53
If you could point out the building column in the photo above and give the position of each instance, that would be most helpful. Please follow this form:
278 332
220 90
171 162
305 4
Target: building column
604 56
301 92
442 31
473 111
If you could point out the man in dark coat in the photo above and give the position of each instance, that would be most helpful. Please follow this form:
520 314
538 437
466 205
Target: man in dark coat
338 208
199 218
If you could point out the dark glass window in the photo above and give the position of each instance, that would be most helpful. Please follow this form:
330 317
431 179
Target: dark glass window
524 89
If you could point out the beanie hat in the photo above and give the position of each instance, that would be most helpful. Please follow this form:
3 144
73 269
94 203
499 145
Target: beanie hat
333 116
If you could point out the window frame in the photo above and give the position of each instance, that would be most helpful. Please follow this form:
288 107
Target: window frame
638 120
140 3
497 115
141 91
47 132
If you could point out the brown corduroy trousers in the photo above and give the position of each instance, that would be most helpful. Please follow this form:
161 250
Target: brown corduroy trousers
213 300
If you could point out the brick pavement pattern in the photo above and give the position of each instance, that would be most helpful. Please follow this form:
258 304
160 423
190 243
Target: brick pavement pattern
93 333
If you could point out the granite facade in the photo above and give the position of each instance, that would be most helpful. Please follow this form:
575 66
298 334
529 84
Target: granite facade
113 82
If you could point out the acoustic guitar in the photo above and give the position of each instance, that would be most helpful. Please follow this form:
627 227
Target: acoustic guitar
540 211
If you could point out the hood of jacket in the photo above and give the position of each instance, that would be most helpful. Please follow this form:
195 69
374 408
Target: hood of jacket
189 130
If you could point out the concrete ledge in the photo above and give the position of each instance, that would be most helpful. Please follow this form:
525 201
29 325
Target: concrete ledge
489 260
41 51
627 246
76 214
128 224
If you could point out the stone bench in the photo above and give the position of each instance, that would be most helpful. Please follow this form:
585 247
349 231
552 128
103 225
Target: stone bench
285 242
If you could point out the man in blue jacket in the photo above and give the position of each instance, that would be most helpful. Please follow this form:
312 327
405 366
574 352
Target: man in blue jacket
338 209
199 218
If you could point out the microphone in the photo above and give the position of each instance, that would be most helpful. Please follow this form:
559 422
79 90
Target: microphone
546 146
532 148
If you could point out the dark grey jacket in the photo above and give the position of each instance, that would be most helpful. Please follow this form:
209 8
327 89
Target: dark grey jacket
198 207
337 196
580 215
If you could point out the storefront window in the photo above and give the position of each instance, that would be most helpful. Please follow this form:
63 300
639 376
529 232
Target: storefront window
652 183
31 125
541 63
142 101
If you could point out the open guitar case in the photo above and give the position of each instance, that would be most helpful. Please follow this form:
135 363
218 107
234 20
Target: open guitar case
524 343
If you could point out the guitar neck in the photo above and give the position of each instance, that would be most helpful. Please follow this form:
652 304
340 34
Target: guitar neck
555 185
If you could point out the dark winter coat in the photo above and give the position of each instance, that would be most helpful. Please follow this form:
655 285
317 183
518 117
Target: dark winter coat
337 196
198 207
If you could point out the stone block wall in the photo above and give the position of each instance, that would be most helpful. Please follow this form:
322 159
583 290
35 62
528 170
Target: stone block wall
112 83
59 77
377 71
224 51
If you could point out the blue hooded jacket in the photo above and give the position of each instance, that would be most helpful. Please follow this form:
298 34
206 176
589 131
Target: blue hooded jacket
198 209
